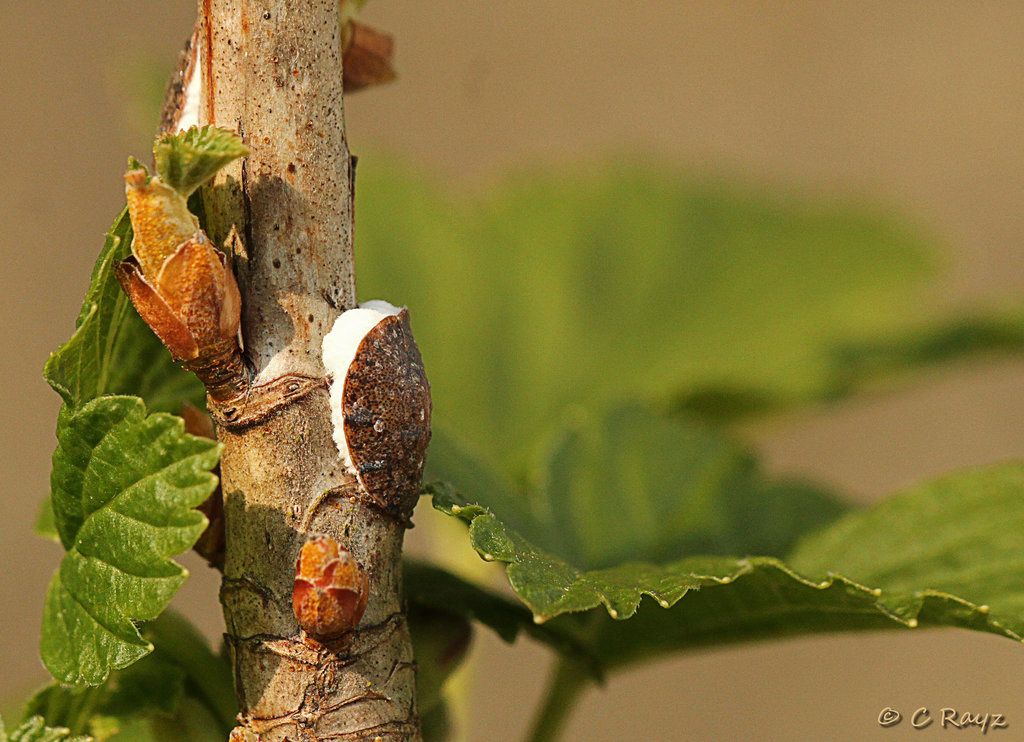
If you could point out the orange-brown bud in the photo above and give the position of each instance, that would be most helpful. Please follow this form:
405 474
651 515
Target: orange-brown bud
182 285
192 303
330 591
366 57
160 220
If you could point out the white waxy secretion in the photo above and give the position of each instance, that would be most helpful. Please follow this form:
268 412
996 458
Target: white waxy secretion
188 115
339 350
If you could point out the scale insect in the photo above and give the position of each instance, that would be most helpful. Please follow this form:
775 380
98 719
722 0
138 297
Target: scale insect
380 403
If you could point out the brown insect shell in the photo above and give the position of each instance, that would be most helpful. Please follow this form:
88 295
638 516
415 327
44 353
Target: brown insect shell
330 591
386 411
193 303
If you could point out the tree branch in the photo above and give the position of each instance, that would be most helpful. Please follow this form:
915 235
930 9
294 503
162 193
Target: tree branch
272 71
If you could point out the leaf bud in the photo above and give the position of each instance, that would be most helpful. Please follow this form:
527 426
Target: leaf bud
160 219
330 591
178 281
192 303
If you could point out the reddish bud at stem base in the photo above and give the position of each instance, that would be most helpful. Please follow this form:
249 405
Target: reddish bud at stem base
331 590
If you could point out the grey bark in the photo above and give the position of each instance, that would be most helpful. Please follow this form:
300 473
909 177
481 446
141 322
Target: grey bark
272 71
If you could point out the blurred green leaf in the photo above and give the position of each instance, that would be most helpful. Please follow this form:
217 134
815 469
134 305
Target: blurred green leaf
208 678
435 724
856 367
34 730
45 524
124 486
440 640
193 722
432 590
667 489
148 687
590 285
350 8
858 364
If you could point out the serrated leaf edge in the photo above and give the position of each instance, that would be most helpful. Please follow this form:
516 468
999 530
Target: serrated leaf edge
445 501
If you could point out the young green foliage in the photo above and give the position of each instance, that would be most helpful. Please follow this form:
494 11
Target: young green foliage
188 159
180 678
124 487
124 482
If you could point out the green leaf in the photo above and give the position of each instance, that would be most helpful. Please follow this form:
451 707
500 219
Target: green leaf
188 159
34 730
180 669
961 535
123 488
79 370
615 503
112 351
858 364
761 598
946 554
587 285
671 488
855 367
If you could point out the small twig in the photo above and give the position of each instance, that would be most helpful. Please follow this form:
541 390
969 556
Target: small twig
563 689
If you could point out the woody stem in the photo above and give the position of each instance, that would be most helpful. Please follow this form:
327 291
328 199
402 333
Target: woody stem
272 72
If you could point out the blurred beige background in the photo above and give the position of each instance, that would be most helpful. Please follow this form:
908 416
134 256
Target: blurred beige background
916 103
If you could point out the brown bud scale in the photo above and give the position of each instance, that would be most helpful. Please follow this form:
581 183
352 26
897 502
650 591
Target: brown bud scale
367 57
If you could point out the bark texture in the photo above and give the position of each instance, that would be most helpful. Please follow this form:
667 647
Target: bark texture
272 71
